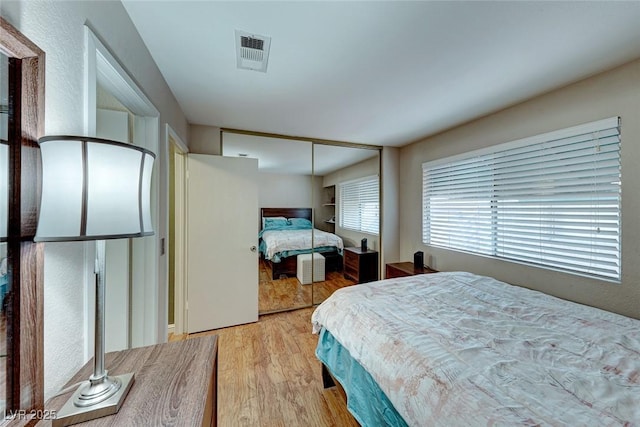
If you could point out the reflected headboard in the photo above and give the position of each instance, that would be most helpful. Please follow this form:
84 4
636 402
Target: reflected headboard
285 212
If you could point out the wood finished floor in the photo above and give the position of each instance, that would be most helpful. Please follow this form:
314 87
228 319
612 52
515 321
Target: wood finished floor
268 375
289 293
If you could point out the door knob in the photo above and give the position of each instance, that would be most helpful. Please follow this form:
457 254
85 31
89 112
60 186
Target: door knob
253 248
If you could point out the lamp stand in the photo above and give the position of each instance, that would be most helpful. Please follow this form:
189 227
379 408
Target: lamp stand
101 395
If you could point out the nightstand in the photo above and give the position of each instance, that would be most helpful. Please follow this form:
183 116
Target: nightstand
359 265
403 269
176 383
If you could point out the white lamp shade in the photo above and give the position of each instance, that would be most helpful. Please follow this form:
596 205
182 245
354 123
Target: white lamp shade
4 191
94 189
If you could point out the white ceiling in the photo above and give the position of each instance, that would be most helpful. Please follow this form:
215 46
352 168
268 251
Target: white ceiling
378 72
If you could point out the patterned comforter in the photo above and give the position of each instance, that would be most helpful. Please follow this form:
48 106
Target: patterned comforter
454 349
282 243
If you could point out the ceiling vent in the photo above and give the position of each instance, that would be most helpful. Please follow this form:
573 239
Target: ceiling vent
252 51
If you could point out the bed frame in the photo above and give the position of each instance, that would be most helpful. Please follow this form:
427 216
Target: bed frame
289 265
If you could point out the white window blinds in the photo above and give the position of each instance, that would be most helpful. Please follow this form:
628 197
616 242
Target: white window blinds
551 200
360 205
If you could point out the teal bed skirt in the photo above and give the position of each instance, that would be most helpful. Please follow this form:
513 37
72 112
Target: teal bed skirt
365 400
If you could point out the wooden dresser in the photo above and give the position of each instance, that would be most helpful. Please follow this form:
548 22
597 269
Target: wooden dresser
359 265
175 384
403 269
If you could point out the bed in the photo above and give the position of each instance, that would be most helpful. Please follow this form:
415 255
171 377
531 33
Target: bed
285 233
455 349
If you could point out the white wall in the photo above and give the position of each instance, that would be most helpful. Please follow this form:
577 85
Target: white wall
284 191
205 140
389 207
57 27
615 93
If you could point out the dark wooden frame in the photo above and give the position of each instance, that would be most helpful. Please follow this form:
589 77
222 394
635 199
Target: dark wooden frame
329 381
289 265
285 212
25 375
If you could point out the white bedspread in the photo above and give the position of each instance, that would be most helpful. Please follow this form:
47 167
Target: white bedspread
456 349
294 240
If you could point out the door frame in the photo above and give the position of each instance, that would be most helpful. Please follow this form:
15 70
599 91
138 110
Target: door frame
148 321
25 376
178 241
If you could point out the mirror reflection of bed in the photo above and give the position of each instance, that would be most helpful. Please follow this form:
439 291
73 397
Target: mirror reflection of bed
298 193
288 278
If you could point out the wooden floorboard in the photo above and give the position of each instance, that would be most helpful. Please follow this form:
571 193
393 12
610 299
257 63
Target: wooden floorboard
289 293
268 375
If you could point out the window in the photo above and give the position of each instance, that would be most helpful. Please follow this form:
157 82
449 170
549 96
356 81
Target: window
551 200
359 205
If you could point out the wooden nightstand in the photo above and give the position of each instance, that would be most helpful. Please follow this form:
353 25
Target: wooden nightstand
361 266
175 384
403 269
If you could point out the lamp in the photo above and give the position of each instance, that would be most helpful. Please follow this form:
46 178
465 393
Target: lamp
94 189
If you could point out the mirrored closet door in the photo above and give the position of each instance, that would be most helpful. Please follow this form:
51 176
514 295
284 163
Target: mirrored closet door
285 201
317 202
4 213
347 206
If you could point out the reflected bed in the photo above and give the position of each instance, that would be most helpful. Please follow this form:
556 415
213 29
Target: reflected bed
286 232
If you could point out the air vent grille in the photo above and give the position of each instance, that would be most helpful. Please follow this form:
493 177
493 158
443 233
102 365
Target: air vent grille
251 54
252 51
252 43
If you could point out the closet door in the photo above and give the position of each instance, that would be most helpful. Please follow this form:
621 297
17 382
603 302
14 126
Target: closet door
285 195
222 256
301 179
351 215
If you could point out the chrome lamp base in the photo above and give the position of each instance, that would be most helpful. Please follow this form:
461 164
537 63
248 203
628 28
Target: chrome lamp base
95 399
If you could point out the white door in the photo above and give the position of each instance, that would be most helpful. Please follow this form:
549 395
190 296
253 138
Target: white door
222 235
